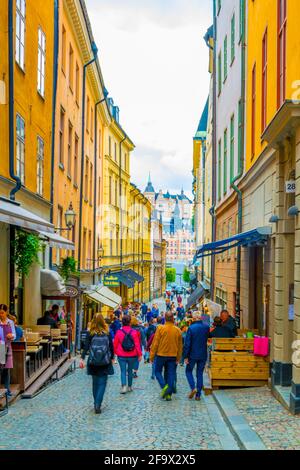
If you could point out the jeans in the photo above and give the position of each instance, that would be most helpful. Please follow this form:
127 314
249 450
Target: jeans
199 372
127 365
169 364
5 375
153 369
99 386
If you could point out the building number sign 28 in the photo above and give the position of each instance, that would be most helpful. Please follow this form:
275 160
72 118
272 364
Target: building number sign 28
290 187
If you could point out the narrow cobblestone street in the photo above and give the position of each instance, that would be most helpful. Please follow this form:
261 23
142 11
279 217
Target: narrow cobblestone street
62 417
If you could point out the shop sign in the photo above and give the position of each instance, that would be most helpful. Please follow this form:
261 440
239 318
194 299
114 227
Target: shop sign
71 291
111 281
290 187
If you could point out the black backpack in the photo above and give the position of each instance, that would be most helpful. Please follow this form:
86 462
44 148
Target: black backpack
99 354
128 341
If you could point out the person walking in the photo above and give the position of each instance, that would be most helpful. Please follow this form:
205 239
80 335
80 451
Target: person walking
128 349
180 312
195 354
138 327
99 344
144 310
7 335
179 299
166 349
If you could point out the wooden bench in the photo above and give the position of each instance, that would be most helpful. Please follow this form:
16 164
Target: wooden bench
233 364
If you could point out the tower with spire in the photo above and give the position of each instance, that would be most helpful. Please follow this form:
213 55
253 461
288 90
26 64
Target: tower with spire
150 191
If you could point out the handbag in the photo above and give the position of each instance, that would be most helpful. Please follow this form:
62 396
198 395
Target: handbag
261 346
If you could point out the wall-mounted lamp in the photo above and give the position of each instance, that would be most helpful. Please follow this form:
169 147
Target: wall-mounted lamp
293 211
274 219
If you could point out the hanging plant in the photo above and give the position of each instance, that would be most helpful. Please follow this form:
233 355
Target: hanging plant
26 249
68 268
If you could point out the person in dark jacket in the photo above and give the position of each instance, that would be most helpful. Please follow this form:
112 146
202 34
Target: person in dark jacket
144 310
47 319
115 326
139 328
195 354
220 331
229 322
98 373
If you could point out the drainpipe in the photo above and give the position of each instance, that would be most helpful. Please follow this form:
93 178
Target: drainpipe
214 155
203 199
120 202
95 181
11 62
240 171
54 94
95 52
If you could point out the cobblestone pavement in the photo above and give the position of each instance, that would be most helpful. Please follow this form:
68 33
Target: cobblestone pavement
62 417
277 428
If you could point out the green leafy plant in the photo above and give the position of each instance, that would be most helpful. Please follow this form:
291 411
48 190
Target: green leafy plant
171 275
68 268
186 275
26 249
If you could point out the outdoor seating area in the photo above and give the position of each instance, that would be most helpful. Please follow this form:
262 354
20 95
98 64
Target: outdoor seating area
233 364
39 356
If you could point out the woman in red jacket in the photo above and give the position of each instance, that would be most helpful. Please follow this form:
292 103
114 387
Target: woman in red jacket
127 347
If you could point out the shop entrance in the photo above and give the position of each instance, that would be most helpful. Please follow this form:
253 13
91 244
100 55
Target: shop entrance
256 297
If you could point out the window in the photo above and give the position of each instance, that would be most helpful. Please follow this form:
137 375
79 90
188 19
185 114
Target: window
41 62
84 250
111 244
230 234
110 190
59 225
92 124
86 179
116 193
99 191
40 166
70 139
71 67
87 114
253 102
232 38
115 152
231 148
77 83
225 163
109 146
242 19
221 297
76 148
99 144
264 81
219 73
91 183
61 136
63 49
20 33
20 151
219 168
281 47
225 58
89 265
240 133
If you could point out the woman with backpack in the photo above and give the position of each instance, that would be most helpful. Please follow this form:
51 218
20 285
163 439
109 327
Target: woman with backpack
99 344
127 347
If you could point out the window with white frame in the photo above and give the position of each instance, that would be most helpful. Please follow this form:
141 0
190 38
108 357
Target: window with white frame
20 151
41 62
20 33
40 166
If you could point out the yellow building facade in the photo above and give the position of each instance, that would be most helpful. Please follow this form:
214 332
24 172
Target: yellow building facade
271 186
25 137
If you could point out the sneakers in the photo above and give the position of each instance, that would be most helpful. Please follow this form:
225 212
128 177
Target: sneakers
123 389
192 394
168 398
197 398
97 411
130 389
152 377
164 391
135 376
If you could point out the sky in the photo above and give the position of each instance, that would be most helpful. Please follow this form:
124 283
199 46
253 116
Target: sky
155 66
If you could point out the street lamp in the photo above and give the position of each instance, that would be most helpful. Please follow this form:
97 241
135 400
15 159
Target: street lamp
70 218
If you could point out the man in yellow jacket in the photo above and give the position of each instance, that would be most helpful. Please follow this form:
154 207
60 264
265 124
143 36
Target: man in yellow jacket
166 350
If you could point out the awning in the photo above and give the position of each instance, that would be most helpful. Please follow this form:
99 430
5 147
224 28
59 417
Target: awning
52 284
105 296
256 237
124 278
196 296
12 213
56 240
134 276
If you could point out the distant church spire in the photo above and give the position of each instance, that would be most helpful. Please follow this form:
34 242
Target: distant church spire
149 187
